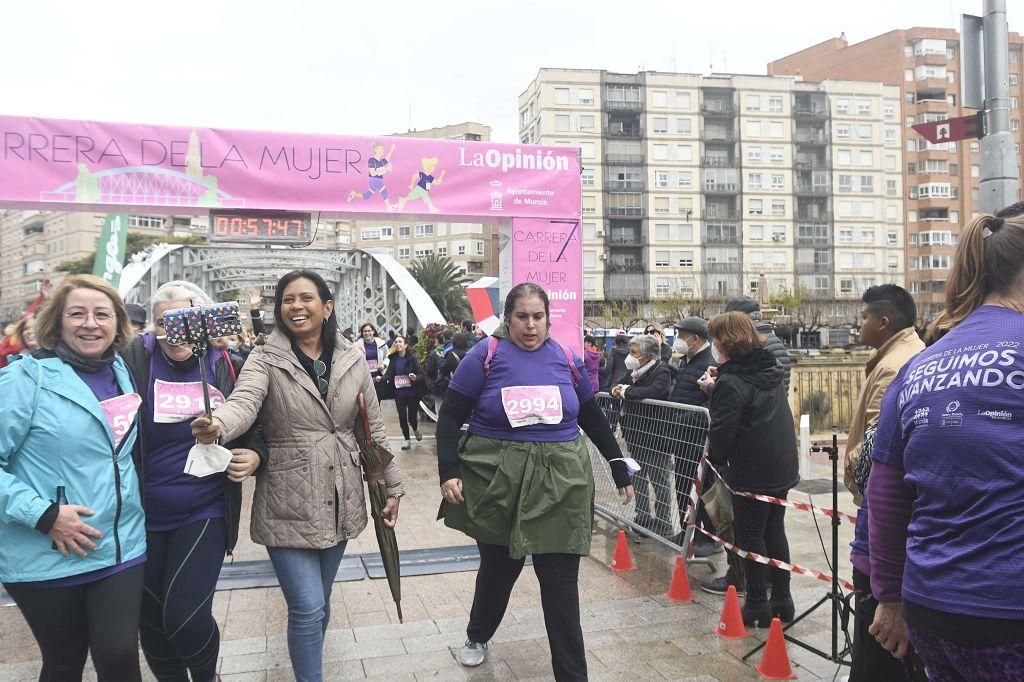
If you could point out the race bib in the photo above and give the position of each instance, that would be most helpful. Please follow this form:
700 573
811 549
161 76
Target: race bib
175 402
526 405
402 381
120 413
372 364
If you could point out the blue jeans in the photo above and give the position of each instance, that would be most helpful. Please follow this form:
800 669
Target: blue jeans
306 577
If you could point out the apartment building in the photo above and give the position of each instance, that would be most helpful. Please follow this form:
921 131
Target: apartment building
34 243
940 182
705 185
473 247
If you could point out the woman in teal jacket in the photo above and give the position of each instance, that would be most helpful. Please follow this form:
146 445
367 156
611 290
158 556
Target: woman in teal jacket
72 532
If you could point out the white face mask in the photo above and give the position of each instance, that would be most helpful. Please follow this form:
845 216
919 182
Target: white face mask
715 354
680 346
632 362
232 345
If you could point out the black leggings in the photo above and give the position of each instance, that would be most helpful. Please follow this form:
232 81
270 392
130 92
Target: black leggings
408 409
558 575
101 618
178 631
761 528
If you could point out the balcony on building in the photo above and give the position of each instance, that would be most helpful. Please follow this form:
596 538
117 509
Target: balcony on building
722 232
623 97
812 210
718 106
34 225
810 105
812 183
931 91
625 233
720 132
624 159
813 233
628 204
933 217
814 268
718 161
624 178
721 209
805 160
727 268
721 187
810 135
624 124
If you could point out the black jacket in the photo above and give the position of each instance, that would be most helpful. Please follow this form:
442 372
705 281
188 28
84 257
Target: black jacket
137 358
617 372
752 437
686 390
774 346
412 367
640 422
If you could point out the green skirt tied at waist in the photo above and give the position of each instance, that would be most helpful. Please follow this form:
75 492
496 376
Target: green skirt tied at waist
537 498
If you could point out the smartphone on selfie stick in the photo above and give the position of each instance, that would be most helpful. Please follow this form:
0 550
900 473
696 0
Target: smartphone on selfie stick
196 325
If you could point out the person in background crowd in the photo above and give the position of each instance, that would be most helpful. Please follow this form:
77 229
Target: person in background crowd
411 339
649 378
617 370
593 360
469 328
8 345
432 365
375 350
945 531
658 332
753 442
452 358
405 377
520 483
72 529
137 315
390 341
309 498
349 335
190 521
691 342
23 335
887 325
750 307
256 312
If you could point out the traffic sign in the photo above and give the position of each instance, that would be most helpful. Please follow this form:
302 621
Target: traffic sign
951 129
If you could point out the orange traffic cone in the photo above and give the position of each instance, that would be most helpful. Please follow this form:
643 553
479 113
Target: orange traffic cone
730 625
679 588
621 560
775 664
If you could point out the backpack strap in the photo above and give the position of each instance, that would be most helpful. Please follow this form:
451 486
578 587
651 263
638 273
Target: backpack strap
492 346
231 367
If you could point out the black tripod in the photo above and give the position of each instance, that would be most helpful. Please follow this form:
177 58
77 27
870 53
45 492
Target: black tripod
839 605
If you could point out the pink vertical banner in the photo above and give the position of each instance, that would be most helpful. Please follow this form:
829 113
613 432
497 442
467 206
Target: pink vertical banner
550 253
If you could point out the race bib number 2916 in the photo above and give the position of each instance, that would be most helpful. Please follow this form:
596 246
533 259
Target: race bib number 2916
527 405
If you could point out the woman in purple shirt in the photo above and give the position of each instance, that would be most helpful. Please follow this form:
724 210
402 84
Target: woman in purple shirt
946 529
520 483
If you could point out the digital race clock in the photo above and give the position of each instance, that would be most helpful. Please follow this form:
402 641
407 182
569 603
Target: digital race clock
259 226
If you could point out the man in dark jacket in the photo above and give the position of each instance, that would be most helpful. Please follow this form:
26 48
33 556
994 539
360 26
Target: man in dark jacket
691 341
617 371
748 305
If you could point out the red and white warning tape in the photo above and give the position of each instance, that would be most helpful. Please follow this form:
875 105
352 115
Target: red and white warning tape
804 506
792 568
695 492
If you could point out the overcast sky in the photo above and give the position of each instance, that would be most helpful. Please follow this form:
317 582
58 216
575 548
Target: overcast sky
374 66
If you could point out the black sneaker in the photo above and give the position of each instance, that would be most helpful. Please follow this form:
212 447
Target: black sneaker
706 548
720 585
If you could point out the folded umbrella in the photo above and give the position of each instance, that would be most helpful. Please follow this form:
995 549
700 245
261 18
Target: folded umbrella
375 459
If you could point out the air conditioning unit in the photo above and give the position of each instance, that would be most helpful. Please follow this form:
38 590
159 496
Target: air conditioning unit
600 233
778 237
603 256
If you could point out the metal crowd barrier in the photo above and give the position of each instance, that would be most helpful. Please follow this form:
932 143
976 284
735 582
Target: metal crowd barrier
667 439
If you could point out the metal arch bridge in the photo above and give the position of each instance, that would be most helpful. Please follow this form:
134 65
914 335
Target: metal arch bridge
368 287
149 185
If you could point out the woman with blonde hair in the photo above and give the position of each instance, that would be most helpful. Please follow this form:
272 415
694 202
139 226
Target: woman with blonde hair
72 532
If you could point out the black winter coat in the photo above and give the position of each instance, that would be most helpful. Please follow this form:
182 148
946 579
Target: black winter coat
412 367
640 422
617 372
752 436
774 346
137 358
686 390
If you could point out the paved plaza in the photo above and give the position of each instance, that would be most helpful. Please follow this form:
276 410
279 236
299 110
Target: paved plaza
632 632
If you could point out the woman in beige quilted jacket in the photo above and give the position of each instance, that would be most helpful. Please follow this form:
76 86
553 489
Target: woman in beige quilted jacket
309 498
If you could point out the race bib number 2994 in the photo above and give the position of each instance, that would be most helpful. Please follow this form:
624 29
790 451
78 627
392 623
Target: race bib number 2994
527 405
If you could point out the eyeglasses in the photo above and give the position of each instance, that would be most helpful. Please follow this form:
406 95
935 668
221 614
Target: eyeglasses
320 367
79 317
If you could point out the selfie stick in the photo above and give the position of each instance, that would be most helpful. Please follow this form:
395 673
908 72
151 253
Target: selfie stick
199 350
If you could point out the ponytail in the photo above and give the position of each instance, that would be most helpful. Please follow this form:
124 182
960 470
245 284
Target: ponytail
988 259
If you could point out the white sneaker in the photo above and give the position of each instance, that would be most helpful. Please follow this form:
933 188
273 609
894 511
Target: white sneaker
406 445
472 654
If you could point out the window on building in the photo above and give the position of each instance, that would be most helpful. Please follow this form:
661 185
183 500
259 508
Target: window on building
845 157
562 123
864 132
662 259
587 177
659 124
754 181
755 233
863 107
753 129
588 150
659 98
1013 79
776 155
589 285
460 249
775 129
753 103
589 231
842 131
661 152
685 259
684 152
684 179
661 205
778 207
661 178
585 96
370 234
589 204
890 111
754 154
424 230
845 183
403 253
682 100
442 250
561 95
778 181
775 104
867 184
683 126
586 123
866 158
421 253
845 235
890 188
755 207
842 106
145 221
